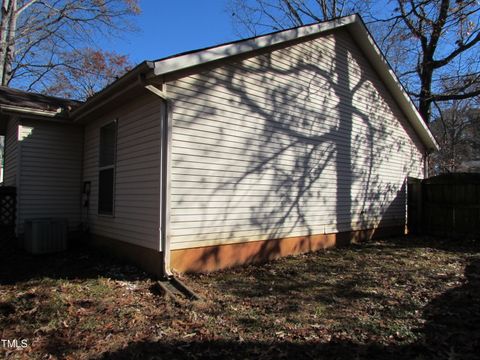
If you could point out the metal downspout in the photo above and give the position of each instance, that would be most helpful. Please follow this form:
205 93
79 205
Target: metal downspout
165 144
165 154
165 159
171 285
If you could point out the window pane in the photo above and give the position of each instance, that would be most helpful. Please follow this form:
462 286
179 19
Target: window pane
107 144
105 191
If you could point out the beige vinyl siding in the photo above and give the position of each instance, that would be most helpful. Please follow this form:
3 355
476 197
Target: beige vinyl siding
50 171
137 173
302 140
10 171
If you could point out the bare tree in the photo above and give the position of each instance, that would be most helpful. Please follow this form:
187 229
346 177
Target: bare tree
35 33
435 42
457 129
257 16
85 72
428 42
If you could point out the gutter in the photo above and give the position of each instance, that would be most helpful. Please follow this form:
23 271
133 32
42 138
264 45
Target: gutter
30 111
126 82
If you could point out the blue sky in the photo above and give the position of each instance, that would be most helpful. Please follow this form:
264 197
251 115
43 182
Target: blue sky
168 27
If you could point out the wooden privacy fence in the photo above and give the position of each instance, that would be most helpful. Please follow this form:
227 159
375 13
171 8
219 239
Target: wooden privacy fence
8 200
445 205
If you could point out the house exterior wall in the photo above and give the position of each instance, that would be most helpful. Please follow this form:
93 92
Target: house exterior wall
10 171
50 170
137 173
300 141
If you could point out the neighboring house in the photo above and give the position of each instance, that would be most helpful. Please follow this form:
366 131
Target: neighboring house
278 144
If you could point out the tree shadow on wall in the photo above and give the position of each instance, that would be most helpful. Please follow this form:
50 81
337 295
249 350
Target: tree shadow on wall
303 156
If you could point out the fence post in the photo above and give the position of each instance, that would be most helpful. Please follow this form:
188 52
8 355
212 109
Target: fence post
414 206
420 200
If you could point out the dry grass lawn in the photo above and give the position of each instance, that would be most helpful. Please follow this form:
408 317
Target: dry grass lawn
403 298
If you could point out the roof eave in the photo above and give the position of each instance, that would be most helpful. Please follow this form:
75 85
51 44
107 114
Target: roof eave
124 82
201 57
365 41
31 111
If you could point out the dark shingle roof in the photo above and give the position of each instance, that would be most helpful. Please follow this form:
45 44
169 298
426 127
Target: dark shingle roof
28 100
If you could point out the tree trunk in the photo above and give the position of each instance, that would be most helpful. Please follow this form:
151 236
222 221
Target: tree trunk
425 99
424 105
3 36
8 26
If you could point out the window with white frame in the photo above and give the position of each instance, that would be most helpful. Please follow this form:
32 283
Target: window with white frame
106 168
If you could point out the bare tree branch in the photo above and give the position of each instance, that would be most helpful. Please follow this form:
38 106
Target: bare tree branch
39 28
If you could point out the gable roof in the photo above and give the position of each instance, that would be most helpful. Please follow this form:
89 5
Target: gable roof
19 101
221 51
353 24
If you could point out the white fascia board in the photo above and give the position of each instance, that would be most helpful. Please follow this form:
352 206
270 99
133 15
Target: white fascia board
370 49
224 51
